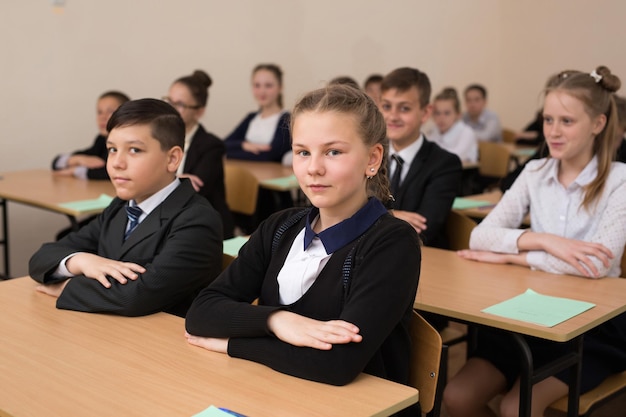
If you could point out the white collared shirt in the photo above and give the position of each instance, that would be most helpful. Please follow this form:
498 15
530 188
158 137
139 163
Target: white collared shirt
301 268
407 154
459 139
558 210
261 130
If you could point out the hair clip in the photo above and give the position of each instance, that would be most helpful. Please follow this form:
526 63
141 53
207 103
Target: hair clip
595 76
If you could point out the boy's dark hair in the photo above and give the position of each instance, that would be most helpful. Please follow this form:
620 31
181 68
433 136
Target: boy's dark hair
165 123
482 90
403 79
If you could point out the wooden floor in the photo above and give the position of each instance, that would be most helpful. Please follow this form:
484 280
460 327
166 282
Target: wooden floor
615 408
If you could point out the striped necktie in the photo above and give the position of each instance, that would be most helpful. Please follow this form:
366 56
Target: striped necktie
133 214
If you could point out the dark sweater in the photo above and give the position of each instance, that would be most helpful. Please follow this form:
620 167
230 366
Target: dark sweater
378 299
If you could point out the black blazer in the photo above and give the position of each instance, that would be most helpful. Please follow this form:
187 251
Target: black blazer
429 189
205 158
179 244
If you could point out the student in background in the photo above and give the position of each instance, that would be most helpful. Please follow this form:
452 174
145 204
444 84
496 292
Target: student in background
425 179
450 132
578 227
90 163
486 124
263 135
156 245
372 87
204 152
308 323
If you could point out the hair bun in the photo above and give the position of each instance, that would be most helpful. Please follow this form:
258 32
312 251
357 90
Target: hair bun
609 81
203 78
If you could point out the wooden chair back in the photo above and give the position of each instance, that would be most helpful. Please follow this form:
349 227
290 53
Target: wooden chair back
494 159
242 189
458 230
508 135
425 361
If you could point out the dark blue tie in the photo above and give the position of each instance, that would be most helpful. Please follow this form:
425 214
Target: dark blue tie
133 214
397 174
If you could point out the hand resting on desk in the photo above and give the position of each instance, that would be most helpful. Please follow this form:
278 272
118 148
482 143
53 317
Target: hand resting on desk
89 161
575 252
99 268
296 330
255 148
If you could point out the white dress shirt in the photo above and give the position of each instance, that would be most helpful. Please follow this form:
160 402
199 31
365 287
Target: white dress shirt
558 210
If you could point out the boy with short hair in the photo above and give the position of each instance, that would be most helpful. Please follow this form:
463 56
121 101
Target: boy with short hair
484 122
156 245
424 178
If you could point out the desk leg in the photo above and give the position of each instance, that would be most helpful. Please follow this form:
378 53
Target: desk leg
575 375
528 376
5 236
526 386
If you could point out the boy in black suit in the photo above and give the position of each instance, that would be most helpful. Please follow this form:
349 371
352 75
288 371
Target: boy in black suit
428 178
156 245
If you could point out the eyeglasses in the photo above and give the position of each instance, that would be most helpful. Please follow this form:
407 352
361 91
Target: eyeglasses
178 105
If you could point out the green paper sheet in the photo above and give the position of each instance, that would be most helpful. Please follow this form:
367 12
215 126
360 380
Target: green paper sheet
543 310
525 152
87 205
283 182
461 203
232 246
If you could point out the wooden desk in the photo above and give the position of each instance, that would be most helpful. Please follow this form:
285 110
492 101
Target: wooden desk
40 188
65 363
267 171
460 289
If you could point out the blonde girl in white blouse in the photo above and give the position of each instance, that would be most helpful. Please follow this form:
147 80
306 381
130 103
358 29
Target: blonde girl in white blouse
577 203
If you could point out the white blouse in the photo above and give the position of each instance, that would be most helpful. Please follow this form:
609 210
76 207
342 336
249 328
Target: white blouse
460 139
301 268
558 210
261 130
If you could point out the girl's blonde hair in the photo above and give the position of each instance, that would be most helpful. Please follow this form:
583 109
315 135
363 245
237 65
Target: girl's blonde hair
370 124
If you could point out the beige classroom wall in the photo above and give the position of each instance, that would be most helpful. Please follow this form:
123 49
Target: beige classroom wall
54 65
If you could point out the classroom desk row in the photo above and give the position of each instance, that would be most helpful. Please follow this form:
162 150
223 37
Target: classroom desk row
74 361
66 363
